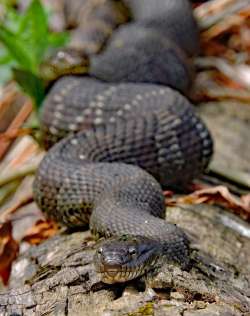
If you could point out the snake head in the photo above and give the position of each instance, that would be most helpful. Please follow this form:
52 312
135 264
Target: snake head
65 61
120 259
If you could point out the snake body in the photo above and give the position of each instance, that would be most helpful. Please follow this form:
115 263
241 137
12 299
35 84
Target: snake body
133 59
93 21
172 19
90 23
126 141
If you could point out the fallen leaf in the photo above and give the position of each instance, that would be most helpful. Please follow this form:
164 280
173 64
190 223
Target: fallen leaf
213 48
226 81
6 215
41 231
246 200
217 195
17 122
222 27
9 249
14 133
168 193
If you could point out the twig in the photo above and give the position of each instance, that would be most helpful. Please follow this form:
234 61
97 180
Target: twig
223 26
8 98
222 93
209 8
8 212
8 190
210 179
236 176
22 115
224 9
12 176
233 72
14 133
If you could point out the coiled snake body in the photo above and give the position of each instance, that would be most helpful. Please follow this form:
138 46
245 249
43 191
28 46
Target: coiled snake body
132 137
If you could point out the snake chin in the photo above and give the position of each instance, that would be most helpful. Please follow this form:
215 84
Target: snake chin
124 258
117 277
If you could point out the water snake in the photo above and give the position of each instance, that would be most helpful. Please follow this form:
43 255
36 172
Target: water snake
126 141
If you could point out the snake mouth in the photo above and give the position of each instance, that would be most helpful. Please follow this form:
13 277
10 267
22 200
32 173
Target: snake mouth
113 274
111 270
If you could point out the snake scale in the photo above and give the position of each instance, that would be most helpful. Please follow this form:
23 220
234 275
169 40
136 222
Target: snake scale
121 135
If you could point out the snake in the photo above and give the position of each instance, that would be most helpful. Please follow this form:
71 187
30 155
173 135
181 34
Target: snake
90 24
120 135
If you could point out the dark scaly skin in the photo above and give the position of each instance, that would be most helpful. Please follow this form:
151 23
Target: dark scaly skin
144 57
91 22
63 62
124 258
172 18
102 175
131 136
94 21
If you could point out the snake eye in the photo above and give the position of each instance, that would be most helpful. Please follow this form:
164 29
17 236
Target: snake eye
99 251
132 251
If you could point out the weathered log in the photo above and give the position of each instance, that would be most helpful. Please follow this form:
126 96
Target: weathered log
58 277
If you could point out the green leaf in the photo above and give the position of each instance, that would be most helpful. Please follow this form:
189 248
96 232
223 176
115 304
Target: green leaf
12 19
5 74
16 49
26 40
5 60
30 84
34 30
58 39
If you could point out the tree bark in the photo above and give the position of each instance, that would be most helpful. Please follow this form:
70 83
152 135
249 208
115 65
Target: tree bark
58 277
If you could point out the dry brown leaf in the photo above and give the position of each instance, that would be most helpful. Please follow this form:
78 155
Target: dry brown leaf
213 48
168 193
14 133
217 195
18 121
222 27
246 200
6 215
7 97
41 231
226 81
9 249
